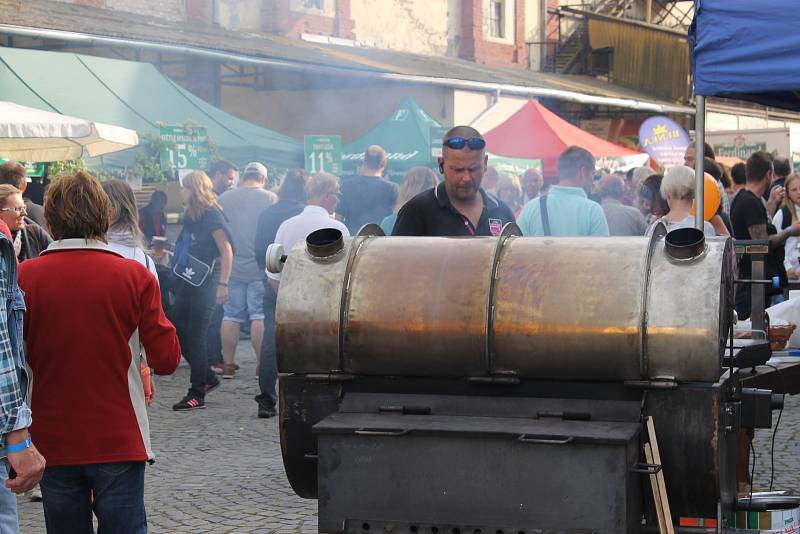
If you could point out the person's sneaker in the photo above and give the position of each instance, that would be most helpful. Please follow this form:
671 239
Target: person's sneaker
208 388
189 402
228 371
265 412
219 368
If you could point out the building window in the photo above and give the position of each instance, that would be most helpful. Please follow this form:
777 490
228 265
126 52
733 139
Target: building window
497 23
314 7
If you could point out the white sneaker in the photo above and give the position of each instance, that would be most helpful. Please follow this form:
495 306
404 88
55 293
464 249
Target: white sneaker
35 494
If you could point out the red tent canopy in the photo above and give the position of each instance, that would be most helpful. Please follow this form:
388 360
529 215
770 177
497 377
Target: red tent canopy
536 132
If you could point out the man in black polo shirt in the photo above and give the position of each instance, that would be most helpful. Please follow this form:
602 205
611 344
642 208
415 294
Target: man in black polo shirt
458 206
750 221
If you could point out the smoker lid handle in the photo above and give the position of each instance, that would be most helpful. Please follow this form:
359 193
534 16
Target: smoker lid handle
364 432
545 440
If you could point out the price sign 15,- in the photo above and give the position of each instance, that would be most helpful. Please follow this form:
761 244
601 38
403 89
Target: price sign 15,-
188 148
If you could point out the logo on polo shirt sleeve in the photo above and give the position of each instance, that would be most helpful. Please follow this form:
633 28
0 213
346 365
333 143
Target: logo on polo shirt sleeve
495 226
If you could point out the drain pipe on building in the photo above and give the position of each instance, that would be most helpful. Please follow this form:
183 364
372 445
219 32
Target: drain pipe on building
485 113
223 56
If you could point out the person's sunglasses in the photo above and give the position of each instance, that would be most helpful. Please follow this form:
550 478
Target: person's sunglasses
457 143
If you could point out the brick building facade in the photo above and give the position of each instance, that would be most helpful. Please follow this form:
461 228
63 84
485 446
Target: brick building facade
282 17
493 32
477 43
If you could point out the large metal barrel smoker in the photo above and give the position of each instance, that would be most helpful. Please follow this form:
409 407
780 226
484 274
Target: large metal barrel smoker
501 384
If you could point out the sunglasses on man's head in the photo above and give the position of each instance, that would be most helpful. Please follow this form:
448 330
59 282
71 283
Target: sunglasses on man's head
457 143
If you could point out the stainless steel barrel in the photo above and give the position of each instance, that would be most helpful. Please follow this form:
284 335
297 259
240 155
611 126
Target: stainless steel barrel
532 308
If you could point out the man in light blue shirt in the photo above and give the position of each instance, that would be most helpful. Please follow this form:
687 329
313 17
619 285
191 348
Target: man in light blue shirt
567 210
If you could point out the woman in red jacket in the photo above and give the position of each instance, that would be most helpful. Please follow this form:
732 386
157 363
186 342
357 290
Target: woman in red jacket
90 314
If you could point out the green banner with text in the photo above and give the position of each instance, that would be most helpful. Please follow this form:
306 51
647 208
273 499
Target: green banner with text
188 148
33 170
323 153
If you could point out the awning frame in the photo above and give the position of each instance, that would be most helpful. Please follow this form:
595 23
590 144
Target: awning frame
86 39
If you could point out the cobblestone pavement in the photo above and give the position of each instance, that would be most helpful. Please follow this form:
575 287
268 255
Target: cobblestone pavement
220 469
787 450
217 469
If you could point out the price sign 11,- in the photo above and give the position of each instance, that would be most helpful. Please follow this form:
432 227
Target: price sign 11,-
323 153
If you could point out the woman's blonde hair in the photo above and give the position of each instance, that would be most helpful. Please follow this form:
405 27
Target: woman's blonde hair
6 190
415 181
123 201
202 194
786 200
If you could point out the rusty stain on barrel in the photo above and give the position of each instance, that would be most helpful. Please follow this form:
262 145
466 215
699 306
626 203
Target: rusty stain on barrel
566 308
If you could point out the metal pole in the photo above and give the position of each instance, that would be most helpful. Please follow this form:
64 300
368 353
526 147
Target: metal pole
699 141
543 35
757 293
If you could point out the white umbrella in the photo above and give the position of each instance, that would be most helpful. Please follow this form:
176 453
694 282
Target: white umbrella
29 134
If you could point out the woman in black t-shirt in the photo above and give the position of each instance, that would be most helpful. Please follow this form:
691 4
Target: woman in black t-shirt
202 261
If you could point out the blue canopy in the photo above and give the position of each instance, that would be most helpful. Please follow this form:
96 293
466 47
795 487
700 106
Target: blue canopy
747 50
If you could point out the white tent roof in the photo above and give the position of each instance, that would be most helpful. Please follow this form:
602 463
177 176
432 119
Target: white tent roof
29 134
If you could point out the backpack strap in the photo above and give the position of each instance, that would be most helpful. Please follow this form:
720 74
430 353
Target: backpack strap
787 217
545 217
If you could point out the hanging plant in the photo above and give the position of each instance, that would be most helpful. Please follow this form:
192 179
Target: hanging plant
70 166
146 164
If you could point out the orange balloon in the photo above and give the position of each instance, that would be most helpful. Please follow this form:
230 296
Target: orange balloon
711 198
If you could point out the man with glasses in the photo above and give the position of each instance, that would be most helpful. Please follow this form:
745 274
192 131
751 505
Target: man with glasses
21 465
566 210
458 206
12 173
29 238
322 191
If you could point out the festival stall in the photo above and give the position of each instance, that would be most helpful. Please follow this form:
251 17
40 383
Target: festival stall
405 135
136 96
731 58
535 132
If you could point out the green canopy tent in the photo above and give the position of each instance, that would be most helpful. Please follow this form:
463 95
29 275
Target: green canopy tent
133 95
405 135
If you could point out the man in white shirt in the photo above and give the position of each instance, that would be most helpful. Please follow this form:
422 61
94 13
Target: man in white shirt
322 192
323 195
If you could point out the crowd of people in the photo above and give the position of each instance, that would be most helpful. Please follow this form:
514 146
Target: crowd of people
88 441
